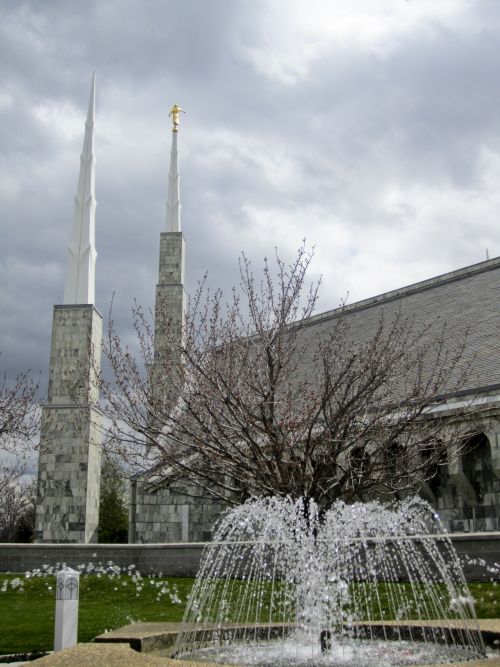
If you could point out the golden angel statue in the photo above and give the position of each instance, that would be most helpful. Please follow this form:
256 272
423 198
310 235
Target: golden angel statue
174 112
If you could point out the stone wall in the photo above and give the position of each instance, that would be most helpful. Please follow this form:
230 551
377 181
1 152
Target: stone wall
176 560
182 560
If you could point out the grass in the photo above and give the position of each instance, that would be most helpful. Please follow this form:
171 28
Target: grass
27 611
487 599
374 601
110 601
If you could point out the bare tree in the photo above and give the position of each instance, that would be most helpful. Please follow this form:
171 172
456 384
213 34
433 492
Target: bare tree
260 397
17 504
19 423
19 413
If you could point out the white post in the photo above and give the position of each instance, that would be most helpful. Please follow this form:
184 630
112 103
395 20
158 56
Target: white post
67 595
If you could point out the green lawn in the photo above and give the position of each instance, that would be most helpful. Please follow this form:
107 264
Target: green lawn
27 611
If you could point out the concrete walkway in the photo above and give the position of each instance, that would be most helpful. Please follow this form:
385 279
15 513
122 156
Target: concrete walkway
109 655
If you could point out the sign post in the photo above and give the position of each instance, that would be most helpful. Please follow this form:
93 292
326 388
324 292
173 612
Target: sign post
67 596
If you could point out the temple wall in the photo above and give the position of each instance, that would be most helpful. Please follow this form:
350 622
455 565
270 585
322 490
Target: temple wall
171 514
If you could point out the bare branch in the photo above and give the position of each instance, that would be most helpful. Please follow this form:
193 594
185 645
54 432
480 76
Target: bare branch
262 398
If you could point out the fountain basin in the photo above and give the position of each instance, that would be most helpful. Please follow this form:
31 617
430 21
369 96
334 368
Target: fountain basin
159 639
352 653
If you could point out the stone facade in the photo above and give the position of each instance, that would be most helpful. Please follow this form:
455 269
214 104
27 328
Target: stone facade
170 300
174 513
172 258
70 456
158 514
170 303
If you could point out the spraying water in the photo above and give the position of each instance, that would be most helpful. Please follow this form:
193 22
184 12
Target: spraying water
280 585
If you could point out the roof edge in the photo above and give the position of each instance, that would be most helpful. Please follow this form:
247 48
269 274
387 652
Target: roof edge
423 285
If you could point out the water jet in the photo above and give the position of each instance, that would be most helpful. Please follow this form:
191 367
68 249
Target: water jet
362 584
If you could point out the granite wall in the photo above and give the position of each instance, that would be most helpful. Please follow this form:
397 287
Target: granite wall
182 560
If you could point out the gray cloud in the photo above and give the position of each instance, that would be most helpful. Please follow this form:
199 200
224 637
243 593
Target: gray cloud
371 128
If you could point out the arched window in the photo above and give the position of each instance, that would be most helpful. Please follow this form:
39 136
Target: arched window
477 465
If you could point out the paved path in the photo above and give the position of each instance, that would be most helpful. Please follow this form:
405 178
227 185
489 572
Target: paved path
108 655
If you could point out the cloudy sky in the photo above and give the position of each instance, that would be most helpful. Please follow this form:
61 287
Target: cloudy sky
370 127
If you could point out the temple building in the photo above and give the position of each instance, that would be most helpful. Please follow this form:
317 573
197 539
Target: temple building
465 489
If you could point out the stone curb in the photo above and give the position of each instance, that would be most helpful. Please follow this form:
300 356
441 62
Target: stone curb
153 636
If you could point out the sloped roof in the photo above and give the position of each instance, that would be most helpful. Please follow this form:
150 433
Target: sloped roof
466 300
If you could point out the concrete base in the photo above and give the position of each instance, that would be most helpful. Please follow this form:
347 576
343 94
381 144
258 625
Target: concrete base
155 636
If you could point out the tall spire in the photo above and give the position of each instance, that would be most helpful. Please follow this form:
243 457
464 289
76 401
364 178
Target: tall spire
80 281
173 198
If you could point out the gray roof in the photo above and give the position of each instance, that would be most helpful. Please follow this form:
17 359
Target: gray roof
466 300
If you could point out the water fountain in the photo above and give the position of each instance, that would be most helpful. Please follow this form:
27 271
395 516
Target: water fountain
282 585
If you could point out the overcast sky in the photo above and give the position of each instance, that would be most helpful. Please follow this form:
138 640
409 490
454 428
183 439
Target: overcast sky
370 127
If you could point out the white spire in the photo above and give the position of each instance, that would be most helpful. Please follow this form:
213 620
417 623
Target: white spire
173 198
80 281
